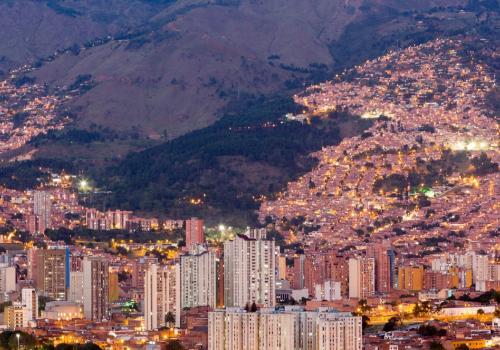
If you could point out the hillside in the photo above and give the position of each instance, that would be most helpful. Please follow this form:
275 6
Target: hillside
36 29
428 166
223 171
194 57
216 67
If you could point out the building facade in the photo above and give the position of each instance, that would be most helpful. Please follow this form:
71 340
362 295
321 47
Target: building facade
161 295
198 279
96 288
291 328
249 270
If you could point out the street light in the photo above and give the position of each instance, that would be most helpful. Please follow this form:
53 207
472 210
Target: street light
18 336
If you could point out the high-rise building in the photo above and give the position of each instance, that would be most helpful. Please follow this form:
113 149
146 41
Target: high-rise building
7 280
29 300
220 283
96 288
480 268
384 267
411 278
14 316
42 208
76 287
328 290
295 273
249 270
339 333
114 287
292 328
110 220
138 270
161 295
361 277
281 264
339 272
198 279
52 270
194 232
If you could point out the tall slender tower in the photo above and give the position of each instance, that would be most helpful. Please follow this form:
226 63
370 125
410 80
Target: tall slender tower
194 232
198 279
42 208
29 299
96 288
384 267
361 277
51 272
161 295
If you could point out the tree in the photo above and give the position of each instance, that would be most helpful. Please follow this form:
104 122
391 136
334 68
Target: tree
431 331
365 322
435 345
253 308
42 301
89 346
86 346
392 324
26 340
363 306
175 345
480 312
170 319
421 309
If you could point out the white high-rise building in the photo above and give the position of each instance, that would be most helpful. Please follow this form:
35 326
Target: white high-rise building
42 208
75 292
161 295
289 329
198 279
361 277
96 288
480 268
339 333
7 281
328 290
249 270
29 300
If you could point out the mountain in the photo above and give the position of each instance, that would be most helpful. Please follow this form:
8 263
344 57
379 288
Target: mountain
214 78
176 73
36 29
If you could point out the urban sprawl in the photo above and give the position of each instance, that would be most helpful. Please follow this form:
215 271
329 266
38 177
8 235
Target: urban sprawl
390 243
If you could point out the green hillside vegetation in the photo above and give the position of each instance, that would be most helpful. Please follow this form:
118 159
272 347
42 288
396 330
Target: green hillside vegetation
223 169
